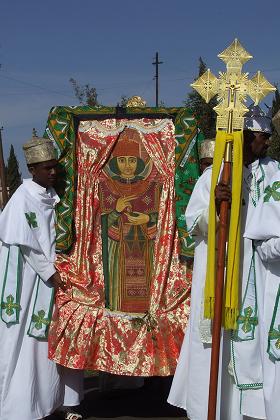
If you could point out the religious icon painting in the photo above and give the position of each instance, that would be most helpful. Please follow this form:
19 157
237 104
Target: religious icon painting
129 193
122 245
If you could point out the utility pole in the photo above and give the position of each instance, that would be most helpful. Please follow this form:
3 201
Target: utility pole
157 63
3 173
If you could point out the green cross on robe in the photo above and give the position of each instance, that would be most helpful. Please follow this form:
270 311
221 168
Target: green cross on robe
272 191
40 319
10 306
275 335
247 320
31 219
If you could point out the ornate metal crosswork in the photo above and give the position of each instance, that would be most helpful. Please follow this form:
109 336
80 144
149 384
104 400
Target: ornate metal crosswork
232 88
136 101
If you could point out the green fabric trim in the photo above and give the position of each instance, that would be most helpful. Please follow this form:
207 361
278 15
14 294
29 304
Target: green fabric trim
39 319
12 305
274 331
187 173
61 128
37 289
193 226
19 278
257 385
255 199
4 284
248 318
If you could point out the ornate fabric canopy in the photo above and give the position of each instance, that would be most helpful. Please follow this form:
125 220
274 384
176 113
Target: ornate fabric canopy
127 304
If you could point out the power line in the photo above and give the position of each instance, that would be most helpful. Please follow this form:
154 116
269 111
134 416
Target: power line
36 86
108 87
111 86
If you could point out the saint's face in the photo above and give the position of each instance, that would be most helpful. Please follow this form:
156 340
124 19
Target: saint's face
127 166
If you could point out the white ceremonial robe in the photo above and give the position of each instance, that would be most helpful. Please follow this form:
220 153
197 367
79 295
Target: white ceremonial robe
246 363
264 227
31 386
191 381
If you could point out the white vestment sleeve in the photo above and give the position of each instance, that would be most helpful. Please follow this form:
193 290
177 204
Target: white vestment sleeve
38 262
202 222
197 211
269 250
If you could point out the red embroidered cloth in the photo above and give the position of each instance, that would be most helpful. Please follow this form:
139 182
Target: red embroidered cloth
95 325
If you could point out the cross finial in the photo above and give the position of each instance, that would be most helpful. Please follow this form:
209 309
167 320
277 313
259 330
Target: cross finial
232 88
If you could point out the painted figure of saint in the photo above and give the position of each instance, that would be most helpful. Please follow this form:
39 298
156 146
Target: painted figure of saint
129 199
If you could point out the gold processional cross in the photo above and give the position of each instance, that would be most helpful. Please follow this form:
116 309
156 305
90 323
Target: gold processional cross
232 87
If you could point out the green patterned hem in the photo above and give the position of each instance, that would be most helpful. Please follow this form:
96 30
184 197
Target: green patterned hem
256 385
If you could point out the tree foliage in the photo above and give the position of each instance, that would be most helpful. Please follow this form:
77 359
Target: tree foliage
274 149
124 100
13 175
85 94
204 112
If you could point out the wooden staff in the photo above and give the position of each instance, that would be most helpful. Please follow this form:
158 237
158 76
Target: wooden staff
219 288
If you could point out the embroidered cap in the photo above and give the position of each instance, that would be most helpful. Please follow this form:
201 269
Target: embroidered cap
257 120
38 149
207 148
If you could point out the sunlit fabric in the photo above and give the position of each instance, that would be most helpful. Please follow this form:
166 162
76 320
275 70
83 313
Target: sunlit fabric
127 303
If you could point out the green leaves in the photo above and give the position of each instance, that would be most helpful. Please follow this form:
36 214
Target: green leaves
13 175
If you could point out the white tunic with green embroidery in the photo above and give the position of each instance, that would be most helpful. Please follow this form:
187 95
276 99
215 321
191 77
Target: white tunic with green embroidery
264 228
191 381
30 386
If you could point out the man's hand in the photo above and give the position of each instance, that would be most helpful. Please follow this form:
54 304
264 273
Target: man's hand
57 281
222 193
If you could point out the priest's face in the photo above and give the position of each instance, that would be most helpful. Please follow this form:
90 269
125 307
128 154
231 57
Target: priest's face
204 163
255 145
44 173
260 144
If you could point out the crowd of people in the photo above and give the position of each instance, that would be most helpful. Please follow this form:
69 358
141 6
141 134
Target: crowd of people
32 386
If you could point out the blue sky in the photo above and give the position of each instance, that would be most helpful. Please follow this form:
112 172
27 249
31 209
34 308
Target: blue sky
111 45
